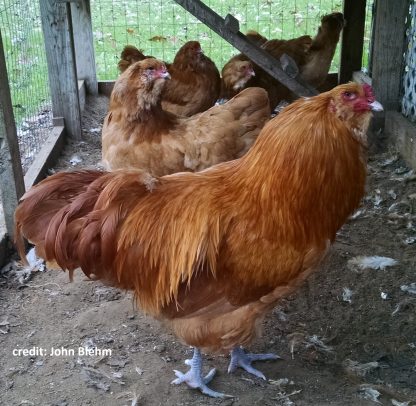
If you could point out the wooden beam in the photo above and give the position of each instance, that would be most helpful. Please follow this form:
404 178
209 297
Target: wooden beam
330 82
388 48
105 87
52 148
352 39
4 248
46 157
361 77
83 94
402 133
226 30
84 45
60 55
12 186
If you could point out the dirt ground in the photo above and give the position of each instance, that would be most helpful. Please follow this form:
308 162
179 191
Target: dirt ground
348 337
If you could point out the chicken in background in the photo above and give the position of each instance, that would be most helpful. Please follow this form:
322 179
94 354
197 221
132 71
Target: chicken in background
234 77
195 80
130 55
322 50
298 50
231 77
313 57
238 71
137 133
256 37
211 253
195 85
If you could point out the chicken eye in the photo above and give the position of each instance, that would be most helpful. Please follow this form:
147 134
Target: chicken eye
349 95
151 68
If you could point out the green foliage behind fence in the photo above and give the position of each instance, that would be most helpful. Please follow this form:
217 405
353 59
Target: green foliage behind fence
161 27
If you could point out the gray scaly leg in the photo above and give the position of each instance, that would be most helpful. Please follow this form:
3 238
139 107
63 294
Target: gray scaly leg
243 360
194 379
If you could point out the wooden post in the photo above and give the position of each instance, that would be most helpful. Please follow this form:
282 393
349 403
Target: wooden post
352 39
84 45
226 29
60 55
12 185
388 48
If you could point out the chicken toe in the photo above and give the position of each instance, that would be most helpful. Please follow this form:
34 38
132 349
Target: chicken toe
194 379
239 358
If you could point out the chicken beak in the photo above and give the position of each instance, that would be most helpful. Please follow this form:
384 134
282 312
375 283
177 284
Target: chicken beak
164 74
376 106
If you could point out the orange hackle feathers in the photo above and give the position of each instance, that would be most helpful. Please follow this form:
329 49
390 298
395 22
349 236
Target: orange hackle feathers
212 252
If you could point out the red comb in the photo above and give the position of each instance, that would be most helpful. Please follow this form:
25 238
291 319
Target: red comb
368 91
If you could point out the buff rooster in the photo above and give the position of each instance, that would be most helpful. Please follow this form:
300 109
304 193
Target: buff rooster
211 253
138 133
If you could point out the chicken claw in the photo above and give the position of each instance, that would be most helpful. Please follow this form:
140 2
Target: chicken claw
243 360
194 379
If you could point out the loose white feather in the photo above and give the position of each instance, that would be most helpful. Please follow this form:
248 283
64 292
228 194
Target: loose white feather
373 262
395 402
409 288
370 393
317 343
355 368
347 295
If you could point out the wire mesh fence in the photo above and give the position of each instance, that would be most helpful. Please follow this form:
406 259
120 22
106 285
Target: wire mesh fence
24 49
160 28
408 104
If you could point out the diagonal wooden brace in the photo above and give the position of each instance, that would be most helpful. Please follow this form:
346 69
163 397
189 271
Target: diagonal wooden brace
229 30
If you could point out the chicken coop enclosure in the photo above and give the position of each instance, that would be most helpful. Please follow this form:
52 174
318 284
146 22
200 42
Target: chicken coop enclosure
55 52
214 257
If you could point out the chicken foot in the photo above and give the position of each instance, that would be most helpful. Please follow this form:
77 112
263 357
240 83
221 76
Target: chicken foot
194 379
239 358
